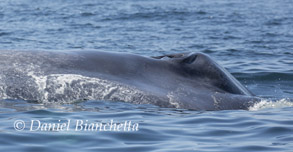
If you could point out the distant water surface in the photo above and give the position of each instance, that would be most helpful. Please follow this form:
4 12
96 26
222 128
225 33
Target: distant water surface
252 39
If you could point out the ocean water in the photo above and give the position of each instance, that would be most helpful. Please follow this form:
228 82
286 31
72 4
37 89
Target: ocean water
252 39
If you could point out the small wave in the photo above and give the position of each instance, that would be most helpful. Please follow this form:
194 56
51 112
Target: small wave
4 33
86 14
268 103
155 15
265 76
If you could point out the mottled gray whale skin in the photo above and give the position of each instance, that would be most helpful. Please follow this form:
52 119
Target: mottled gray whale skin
188 80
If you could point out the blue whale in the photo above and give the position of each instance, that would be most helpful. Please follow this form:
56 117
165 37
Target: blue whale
187 80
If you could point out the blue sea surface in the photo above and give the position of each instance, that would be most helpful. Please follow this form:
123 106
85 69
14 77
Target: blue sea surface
252 39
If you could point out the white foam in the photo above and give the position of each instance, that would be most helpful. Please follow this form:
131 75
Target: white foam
267 103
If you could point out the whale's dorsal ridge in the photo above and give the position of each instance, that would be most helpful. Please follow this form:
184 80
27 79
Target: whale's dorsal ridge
187 79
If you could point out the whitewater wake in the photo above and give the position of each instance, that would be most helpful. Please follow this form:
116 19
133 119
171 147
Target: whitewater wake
270 103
